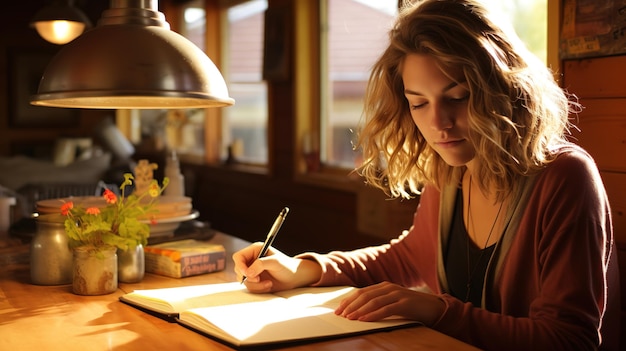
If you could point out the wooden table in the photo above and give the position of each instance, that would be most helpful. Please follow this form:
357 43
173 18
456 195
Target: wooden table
51 318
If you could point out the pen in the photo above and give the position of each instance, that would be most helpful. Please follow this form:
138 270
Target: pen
272 234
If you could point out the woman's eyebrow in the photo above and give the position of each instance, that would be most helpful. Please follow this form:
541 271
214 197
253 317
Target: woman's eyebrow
446 88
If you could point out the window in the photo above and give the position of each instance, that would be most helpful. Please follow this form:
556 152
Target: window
353 34
529 18
245 124
180 130
194 22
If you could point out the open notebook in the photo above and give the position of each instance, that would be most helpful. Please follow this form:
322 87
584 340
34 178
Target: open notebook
231 314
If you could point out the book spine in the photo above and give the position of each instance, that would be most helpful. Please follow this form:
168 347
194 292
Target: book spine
206 263
187 266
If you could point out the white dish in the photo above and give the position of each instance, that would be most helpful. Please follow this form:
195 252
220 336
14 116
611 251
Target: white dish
167 226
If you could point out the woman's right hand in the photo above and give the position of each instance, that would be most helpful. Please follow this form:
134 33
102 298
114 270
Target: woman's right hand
275 271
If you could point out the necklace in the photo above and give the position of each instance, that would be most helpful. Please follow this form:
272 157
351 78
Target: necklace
472 271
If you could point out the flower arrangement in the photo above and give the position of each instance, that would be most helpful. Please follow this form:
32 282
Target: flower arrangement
120 223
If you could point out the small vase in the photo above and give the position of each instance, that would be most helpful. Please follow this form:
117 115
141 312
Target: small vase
95 270
50 257
131 264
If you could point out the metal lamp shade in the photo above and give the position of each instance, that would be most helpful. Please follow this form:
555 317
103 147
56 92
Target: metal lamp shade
132 60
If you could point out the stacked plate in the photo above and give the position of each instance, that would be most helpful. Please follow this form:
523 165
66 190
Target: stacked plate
170 211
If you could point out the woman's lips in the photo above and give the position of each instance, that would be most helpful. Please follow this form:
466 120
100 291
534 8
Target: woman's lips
449 143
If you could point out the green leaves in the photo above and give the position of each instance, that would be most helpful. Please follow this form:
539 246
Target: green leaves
121 223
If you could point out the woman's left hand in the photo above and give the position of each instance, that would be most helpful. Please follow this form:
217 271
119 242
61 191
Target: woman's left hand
385 299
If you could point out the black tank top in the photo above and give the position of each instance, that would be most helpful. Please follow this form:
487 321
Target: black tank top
456 260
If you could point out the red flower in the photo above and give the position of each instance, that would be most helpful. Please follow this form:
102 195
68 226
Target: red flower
66 207
110 196
93 211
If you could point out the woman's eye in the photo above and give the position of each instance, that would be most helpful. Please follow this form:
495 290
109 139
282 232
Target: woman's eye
460 99
416 106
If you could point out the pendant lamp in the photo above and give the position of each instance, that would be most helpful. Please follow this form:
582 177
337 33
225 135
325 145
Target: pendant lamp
60 22
131 60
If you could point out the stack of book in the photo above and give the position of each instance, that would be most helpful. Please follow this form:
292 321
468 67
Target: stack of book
183 258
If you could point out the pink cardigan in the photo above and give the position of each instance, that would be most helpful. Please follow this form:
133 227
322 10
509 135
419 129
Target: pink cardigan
552 284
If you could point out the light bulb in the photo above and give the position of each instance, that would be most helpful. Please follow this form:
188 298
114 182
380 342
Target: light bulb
60 31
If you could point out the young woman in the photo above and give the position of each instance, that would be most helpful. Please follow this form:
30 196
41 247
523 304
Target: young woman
511 245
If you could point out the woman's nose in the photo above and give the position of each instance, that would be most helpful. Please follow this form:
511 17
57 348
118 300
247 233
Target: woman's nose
442 118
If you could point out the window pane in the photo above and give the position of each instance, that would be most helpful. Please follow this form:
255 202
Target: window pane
529 18
245 123
356 34
195 23
181 130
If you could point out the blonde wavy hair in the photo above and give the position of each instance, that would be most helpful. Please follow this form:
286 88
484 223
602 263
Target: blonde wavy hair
517 112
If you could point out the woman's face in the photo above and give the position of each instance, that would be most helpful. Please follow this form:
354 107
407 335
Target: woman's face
438 107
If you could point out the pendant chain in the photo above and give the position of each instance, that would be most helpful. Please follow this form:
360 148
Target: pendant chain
470 273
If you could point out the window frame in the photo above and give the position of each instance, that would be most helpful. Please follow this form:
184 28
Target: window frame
307 86
216 22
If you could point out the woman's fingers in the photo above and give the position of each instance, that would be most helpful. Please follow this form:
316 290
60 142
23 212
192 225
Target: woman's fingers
246 257
375 302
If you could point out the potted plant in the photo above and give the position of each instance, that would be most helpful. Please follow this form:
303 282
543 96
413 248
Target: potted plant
97 233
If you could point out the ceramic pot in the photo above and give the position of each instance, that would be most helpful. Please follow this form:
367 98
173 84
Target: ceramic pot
94 270
131 264
50 257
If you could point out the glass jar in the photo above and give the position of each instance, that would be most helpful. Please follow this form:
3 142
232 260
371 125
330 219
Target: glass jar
95 270
50 257
131 264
